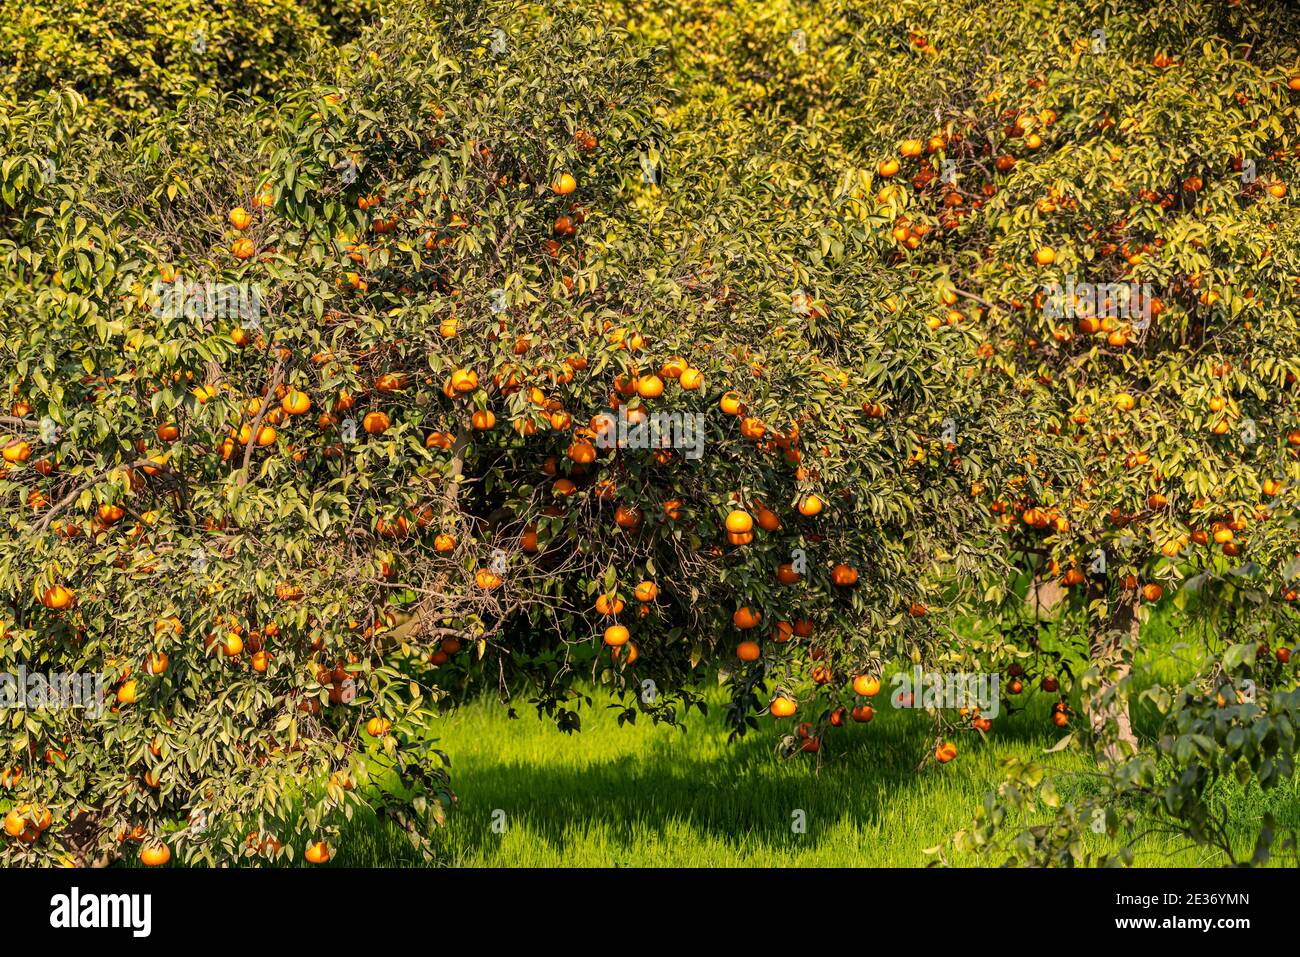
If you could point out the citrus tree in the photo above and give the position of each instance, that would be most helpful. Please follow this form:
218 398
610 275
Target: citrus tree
478 364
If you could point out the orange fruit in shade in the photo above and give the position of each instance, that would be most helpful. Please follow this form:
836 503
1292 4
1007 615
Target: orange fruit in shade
487 579
745 618
786 575
647 591
1152 591
863 713
782 707
444 543
155 855
609 604
844 575
616 635
483 419
768 520
748 651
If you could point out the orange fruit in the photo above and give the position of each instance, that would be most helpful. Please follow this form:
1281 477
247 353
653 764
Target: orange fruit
239 218
810 505
782 707
376 423
616 635
564 184
866 685
746 617
739 522
155 855
58 597
647 591
318 852
748 651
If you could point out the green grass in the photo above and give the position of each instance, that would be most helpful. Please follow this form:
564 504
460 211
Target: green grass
657 796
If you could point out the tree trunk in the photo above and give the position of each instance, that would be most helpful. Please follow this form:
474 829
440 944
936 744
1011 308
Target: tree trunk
1112 652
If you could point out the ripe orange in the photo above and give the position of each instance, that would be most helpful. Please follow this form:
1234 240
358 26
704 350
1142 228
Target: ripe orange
483 420
155 855
945 752
863 713
647 591
1152 591
378 727
1045 255
376 423
243 249
731 404
783 707
691 379
317 852
58 597
650 386
746 617
843 575
739 522
564 184
866 685
443 543
810 505
487 579
239 218
786 575
616 635
748 651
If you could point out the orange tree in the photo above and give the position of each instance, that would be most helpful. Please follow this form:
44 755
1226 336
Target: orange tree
134 57
1056 171
326 410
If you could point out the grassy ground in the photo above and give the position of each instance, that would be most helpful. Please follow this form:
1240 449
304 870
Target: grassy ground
655 796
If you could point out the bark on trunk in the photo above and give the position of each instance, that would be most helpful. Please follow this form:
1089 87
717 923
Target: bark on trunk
1112 652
